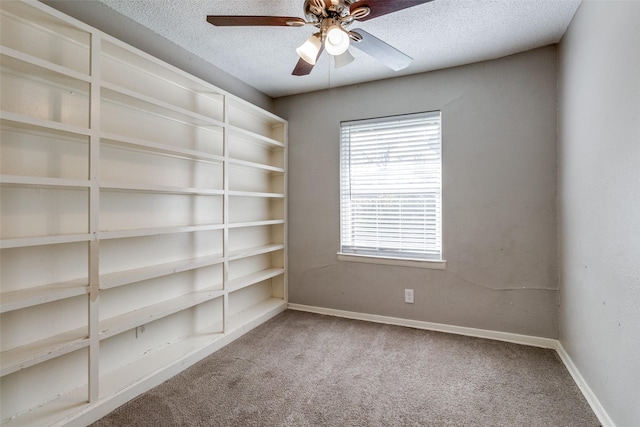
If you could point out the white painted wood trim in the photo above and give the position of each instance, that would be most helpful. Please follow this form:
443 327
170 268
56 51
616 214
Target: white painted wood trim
529 340
226 312
588 394
95 111
285 227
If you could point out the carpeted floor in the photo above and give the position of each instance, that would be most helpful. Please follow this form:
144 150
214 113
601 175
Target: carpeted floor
303 369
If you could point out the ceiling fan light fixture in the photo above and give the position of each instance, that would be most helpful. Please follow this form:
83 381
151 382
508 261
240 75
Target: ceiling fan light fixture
337 41
332 18
310 48
345 59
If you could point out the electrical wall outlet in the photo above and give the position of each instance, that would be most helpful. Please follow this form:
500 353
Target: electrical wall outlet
408 296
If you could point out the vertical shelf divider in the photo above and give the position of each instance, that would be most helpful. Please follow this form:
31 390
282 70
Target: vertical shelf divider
94 221
225 215
285 230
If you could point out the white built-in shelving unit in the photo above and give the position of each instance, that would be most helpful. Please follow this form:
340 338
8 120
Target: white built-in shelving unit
143 218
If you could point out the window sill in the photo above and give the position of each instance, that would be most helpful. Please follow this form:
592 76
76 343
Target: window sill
416 263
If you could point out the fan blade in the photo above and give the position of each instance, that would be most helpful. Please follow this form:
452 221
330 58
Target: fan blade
388 55
383 7
303 68
239 21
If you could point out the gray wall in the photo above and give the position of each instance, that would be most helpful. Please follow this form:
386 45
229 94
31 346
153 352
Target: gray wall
499 215
111 22
599 184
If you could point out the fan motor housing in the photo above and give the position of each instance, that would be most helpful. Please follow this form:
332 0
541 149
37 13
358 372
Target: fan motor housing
316 10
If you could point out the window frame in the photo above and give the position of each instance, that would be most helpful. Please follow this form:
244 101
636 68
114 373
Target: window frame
389 258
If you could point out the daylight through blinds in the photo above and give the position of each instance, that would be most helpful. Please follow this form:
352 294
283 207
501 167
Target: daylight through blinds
391 186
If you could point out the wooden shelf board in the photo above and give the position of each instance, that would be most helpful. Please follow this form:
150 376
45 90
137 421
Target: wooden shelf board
257 112
54 412
43 240
255 250
155 367
116 186
53 21
165 362
264 309
154 231
256 223
132 319
58 77
114 49
259 138
31 354
132 99
36 181
254 165
15 300
158 148
253 278
256 194
26 121
112 280
43 64
158 360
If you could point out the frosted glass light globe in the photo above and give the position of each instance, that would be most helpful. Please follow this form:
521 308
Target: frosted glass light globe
337 41
309 49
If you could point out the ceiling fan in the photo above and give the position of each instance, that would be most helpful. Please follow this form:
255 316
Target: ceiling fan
332 18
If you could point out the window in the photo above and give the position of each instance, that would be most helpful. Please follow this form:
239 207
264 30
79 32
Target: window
391 187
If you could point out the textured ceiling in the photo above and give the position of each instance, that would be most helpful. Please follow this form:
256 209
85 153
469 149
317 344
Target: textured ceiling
439 34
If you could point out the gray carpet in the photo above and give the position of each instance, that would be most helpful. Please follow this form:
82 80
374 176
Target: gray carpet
302 369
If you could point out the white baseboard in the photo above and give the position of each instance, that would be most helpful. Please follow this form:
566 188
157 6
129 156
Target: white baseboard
588 394
529 340
438 327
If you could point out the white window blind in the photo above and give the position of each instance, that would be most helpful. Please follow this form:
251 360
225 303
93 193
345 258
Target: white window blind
391 183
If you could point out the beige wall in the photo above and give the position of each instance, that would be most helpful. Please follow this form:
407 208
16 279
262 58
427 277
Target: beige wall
599 184
499 215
